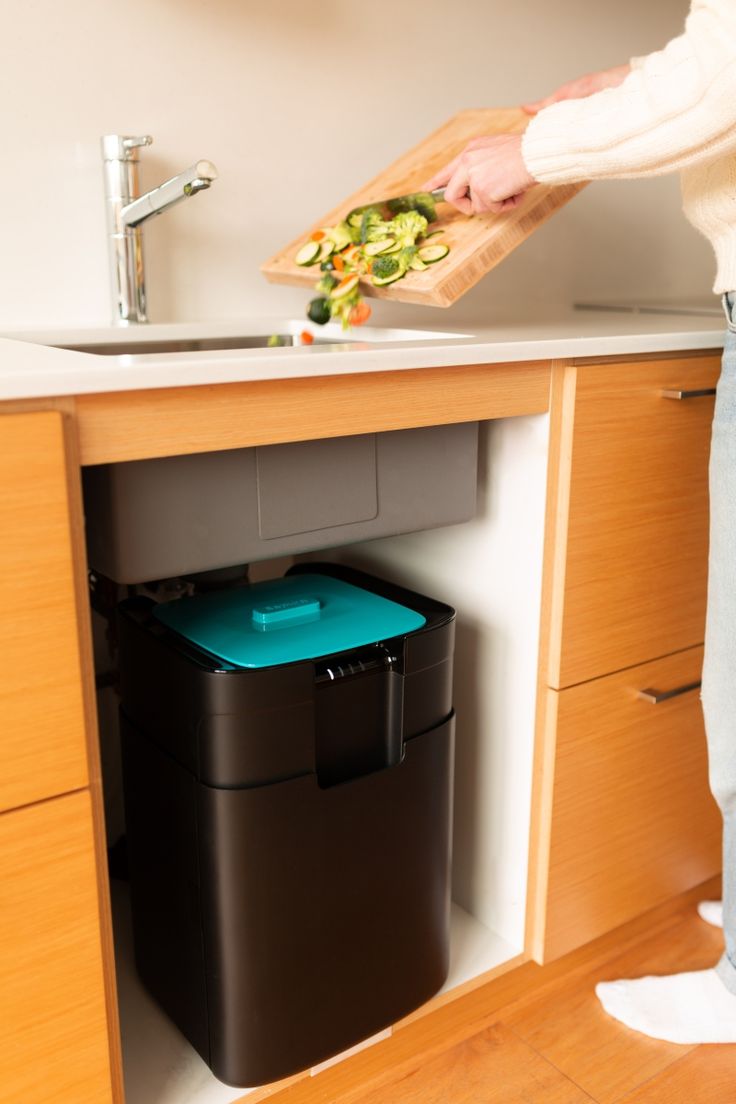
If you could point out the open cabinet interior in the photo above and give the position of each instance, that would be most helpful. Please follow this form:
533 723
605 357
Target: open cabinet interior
489 570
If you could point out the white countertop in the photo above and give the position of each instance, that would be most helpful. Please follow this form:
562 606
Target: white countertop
30 368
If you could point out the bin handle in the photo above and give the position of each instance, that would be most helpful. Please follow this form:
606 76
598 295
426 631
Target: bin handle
394 726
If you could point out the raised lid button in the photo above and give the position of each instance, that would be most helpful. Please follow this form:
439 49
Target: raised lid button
278 614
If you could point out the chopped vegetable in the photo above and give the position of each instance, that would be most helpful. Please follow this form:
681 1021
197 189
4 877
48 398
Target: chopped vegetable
341 236
308 253
380 281
372 249
306 337
275 341
359 314
384 266
367 245
432 253
327 283
408 226
345 286
319 311
372 226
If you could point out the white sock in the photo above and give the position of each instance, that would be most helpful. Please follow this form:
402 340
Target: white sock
681 1008
711 912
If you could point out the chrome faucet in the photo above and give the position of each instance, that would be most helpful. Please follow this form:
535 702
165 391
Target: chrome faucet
127 211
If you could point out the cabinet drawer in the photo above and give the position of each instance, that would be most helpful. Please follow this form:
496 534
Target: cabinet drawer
632 818
42 751
53 1036
634 576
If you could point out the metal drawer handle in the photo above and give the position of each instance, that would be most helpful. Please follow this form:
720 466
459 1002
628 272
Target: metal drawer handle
657 696
671 393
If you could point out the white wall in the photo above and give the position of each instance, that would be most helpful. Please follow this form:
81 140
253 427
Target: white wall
298 103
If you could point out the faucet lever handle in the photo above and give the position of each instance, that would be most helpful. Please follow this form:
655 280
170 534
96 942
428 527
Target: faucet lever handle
122 147
131 142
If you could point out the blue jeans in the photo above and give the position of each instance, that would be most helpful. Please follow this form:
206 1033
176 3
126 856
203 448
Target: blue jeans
719 666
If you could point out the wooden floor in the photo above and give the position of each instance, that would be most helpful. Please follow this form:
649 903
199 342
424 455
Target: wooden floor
555 1045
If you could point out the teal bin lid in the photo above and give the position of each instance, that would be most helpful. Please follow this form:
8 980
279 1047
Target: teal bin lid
287 620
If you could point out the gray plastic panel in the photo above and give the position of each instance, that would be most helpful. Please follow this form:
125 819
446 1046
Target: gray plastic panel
330 483
153 519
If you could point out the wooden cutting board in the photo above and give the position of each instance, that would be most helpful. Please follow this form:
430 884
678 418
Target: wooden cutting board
477 244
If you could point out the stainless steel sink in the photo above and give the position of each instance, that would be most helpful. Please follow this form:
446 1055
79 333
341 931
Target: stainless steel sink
261 334
200 344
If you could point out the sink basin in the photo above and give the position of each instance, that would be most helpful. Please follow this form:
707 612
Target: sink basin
200 344
277 333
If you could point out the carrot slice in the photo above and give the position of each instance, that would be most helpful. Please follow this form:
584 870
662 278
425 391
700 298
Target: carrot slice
318 235
338 263
360 313
307 337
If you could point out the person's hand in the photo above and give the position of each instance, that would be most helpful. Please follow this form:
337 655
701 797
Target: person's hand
584 86
489 175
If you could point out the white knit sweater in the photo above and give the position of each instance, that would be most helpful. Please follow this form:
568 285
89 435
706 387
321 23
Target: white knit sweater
676 110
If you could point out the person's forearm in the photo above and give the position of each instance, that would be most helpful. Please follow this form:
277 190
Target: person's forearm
676 108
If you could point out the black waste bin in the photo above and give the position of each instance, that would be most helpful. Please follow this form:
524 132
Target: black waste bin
287 756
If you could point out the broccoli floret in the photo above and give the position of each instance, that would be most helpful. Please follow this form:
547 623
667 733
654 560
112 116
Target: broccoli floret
385 266
405 257
372 226
327 283
407 226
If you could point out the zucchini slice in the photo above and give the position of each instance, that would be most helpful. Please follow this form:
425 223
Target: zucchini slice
325 248
308 253
417 264
381 281
345 286
432 253
374 249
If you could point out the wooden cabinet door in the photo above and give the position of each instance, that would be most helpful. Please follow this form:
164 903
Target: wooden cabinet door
42 750
53 1028
632 819
631 542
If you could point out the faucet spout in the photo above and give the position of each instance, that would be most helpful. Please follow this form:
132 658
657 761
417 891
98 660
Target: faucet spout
194 179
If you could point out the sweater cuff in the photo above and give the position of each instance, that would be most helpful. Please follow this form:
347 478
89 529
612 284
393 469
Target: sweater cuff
543 151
